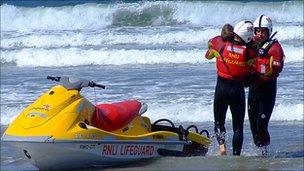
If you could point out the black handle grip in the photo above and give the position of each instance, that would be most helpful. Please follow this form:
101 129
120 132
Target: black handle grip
53 78
93 84
100 86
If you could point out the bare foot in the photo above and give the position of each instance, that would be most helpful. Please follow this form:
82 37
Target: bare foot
222 150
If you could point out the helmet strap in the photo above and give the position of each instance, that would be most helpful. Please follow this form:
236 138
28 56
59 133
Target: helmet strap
273 35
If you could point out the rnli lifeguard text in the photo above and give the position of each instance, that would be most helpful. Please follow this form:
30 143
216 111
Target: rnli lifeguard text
131 150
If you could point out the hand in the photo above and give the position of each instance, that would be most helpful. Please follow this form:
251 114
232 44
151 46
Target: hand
211 54
269 70
250 62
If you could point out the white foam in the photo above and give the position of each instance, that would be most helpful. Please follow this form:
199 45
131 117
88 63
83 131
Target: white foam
88 16
186 112
106 37
8 114
286 33
76 56
288 112
181 112
293 54
96 16
198 112
217 13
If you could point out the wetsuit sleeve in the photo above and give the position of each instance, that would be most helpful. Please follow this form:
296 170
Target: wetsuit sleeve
276 57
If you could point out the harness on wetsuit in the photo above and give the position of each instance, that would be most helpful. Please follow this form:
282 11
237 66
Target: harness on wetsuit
264 49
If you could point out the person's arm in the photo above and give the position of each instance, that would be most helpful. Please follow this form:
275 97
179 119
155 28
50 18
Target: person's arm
253 76
214 48
276 59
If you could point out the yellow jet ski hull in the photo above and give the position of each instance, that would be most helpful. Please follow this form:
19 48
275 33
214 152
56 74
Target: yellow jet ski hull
56 130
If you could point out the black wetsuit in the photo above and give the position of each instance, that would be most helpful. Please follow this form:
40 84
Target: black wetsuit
229 93
261 100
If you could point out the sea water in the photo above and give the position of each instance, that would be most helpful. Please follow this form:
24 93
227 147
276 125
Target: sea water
152 51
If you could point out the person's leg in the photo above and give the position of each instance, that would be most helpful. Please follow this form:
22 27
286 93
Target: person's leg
253 112
220 108
237 108
267 102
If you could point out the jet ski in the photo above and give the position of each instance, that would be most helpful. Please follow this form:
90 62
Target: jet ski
62 129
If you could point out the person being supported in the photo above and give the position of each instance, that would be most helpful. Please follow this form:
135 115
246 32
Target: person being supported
233 62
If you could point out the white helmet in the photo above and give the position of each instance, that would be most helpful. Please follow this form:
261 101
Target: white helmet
264 22
244 29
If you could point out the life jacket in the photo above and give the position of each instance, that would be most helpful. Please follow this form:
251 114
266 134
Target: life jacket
270 58
232 63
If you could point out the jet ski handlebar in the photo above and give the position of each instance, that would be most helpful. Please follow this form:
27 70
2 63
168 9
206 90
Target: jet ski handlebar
75 84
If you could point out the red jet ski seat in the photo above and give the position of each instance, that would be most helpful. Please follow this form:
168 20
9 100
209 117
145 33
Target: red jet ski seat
110 117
